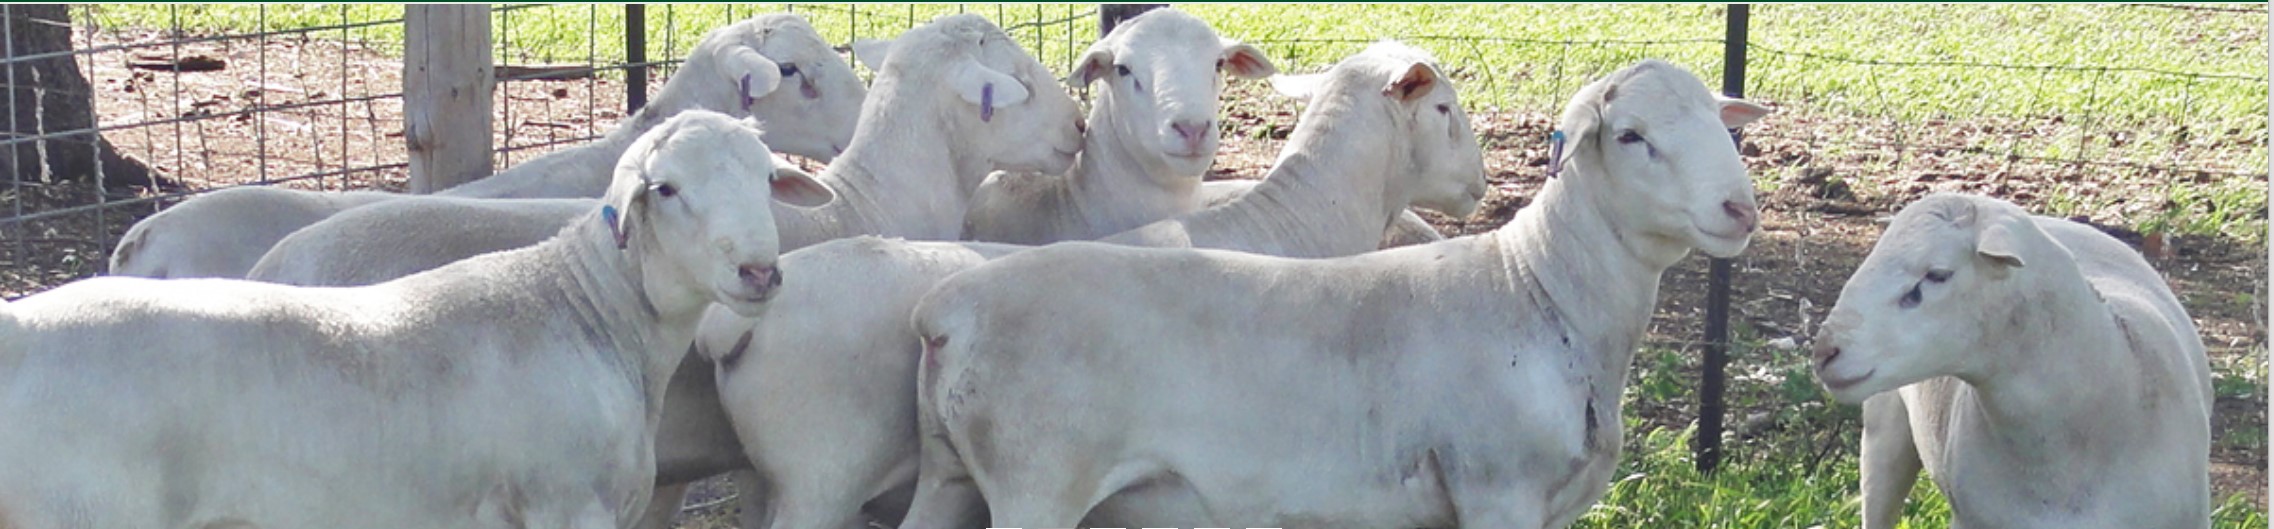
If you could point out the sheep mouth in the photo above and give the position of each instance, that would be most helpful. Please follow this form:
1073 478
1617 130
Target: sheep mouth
1835 383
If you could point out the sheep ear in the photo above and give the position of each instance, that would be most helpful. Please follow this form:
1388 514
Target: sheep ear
1738 112
1298 86
1418 79
986 87
1246 62
753 74
871 52
1999 246
796 187
618 215
1095 63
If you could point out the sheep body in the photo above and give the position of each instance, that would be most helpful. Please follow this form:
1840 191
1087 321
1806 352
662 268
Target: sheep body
518 388
821 403
2067 386
1067 410
396 238
1407 229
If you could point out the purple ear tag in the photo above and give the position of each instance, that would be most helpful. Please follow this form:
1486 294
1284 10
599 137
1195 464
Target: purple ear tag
608 215
987 102
745 94
1555 153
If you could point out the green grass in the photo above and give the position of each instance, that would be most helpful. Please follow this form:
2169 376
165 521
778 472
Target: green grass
1657 485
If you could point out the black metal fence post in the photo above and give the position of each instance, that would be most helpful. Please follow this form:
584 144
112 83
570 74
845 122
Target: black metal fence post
1707 444
1110 15
635 54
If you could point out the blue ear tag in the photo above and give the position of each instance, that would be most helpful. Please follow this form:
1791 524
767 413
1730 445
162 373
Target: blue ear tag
745 94
1555 153
987 102
608 215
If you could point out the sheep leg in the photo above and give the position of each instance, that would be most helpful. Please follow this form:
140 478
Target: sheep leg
945 504
1890 460
663 509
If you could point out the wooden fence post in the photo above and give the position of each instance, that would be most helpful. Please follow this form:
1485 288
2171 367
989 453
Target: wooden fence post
447 86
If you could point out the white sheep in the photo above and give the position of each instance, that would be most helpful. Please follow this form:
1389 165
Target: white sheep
1388 132
1406 229
1153 134
821 398
396 238
930 110
2039 371
744 69
937 121
1103 385
516 389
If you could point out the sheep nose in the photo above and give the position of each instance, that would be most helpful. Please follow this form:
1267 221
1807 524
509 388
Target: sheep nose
1746 215
1192 132
760 279
1824 353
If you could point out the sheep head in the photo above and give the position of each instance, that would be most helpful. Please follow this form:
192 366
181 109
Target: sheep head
1942 281
1653 146
777 68
1163 74
682 202
991 94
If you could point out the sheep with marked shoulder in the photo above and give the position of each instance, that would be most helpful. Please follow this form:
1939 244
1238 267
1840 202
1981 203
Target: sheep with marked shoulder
2039 371
1194 393
774 67
1153 134
960 71
821 395
515 389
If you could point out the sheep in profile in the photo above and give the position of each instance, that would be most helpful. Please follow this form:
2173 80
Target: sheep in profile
515 389
774 67
821 399
2037 369
1153 134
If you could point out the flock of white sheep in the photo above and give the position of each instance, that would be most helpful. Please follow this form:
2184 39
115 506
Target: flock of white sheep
571 342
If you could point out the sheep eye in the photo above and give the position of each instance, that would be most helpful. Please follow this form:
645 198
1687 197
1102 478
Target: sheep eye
789 70
1938 276
1910 299
1630 137
1121 70
1444 108
1219 64
666 190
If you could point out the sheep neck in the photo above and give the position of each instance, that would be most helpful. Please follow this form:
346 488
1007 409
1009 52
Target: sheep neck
1328 192
1111 185
2041 379
1562 248
888 181
605 290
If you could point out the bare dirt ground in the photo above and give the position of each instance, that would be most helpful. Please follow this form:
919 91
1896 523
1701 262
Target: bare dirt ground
1818 209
